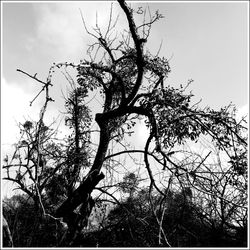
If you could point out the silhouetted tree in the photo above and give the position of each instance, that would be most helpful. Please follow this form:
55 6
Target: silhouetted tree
131 84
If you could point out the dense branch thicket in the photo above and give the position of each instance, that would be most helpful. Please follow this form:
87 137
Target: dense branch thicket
130 83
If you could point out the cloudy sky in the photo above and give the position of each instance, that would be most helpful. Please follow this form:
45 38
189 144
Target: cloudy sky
206 41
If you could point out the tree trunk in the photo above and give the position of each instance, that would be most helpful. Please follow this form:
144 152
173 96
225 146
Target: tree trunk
76 221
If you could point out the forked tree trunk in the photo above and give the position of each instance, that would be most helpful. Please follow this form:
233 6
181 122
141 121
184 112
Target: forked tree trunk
82 195
77 221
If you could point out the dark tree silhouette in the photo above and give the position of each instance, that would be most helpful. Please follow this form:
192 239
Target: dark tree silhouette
131 83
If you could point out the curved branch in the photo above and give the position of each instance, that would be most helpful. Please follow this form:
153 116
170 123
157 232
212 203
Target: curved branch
151 136
106 192
133 151
21 186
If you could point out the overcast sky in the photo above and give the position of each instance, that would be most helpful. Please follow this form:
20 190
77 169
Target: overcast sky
206 41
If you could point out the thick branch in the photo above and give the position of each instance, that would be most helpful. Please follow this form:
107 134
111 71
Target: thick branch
121 111
80 194
139 50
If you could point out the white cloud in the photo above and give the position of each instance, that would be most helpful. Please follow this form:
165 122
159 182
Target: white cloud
14 109
57 29
29 43
141 134
61 29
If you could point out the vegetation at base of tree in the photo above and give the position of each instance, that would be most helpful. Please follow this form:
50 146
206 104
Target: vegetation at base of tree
132 224
129 224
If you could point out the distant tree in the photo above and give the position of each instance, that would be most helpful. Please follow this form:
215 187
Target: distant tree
131 84
129 184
